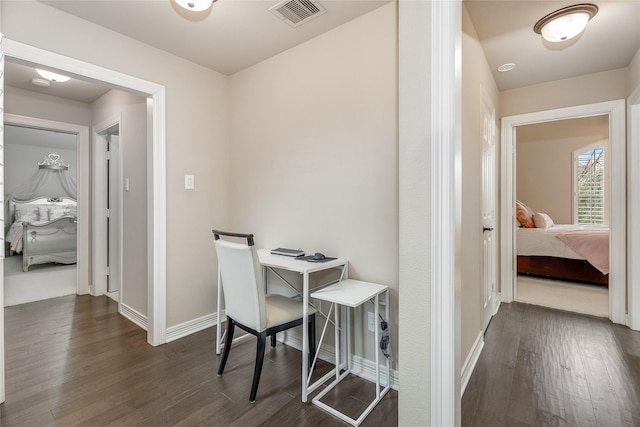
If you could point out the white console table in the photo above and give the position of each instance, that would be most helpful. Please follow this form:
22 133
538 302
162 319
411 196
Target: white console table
353 293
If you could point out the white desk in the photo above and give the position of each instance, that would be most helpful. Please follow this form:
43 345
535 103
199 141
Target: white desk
353 293
305 268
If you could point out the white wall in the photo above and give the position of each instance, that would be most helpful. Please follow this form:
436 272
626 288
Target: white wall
544 162
31 104
588 89
197 139
314 152
476 76
132 110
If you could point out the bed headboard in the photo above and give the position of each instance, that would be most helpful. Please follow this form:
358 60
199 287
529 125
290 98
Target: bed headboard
37 204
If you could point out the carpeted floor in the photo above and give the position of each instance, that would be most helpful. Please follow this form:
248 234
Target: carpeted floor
578 298
40 282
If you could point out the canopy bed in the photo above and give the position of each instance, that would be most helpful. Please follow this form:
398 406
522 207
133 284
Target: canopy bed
43 228
571 252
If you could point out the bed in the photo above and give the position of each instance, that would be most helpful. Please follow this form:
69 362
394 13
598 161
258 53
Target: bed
43 230
571 252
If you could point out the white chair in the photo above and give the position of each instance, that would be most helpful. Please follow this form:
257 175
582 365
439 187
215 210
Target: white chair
247 306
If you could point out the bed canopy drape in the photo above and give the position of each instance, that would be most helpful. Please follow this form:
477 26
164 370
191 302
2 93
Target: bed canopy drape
52 179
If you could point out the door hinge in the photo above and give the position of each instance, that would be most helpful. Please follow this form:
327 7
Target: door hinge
108 155
108 271
108 213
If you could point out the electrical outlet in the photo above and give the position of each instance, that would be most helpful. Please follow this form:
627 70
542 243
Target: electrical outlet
372 321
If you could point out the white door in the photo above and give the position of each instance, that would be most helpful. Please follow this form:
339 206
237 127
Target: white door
489 258
107 277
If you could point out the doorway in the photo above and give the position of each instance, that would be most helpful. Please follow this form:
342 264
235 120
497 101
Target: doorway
156 214
617 188
562 173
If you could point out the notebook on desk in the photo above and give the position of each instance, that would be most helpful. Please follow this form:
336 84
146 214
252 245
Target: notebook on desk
287 252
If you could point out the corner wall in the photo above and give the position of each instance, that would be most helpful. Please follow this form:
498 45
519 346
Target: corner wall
314 157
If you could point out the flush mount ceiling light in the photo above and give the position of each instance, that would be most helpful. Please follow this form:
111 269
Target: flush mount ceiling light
565 23
54 77
195 5
506 67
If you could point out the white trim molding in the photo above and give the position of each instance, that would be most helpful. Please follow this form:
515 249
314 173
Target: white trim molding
445 211
617 188
633 203
471 362
156 155
193 326
133 315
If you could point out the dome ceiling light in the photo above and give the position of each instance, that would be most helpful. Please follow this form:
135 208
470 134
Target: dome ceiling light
54 77
565 23
195 5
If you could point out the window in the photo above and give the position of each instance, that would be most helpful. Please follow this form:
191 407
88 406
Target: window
589 186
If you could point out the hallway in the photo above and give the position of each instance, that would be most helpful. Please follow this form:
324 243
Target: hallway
544 367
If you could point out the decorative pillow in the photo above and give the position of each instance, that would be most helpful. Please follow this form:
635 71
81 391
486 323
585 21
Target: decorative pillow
27 212
58 211
43 211
542 220
524 215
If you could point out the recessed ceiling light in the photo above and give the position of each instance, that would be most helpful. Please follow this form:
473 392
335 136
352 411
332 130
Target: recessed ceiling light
54 77
565 23
506 67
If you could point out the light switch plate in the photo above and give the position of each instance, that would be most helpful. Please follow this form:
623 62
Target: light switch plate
189 183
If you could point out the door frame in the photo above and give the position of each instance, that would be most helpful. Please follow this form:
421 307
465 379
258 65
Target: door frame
100 235
633 213
617 188
82 178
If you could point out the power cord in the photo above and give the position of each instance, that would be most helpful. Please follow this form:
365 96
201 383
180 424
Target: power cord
384 336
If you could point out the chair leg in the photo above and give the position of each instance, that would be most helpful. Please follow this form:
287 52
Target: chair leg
312 338
273 340
262 341
227 345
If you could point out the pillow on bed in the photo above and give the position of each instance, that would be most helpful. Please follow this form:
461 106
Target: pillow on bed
27 212
542 220
524 215
58 211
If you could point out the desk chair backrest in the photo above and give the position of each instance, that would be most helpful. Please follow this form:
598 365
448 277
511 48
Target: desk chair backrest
242 284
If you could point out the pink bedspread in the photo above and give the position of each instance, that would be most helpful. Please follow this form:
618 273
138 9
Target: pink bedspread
592 245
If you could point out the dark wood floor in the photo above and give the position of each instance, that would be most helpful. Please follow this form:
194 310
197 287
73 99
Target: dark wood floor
74 361
543 367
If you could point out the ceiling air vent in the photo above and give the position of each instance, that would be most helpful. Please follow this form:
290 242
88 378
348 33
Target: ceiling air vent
297 12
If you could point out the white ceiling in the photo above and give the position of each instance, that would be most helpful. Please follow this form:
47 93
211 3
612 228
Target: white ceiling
235 34
505 30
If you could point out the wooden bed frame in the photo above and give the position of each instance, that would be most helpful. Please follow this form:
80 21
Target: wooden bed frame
575 270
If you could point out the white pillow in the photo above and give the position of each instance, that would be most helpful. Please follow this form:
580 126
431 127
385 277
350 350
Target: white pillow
542 220
27 212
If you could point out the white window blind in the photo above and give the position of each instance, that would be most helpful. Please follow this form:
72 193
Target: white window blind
590 186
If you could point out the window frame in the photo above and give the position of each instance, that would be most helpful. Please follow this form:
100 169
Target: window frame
574 176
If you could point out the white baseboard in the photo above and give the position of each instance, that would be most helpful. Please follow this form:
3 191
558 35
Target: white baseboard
470 363
192 326
361 367
136 317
